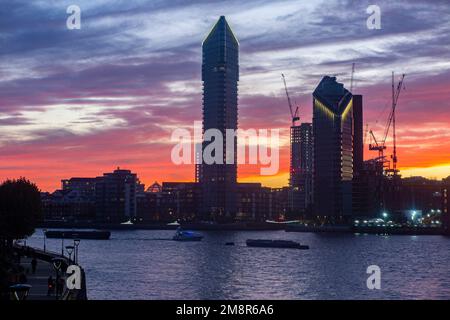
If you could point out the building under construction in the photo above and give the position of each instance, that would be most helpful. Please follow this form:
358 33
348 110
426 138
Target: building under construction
301 163
301 169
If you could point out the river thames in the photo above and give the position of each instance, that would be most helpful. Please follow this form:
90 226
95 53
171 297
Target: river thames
140 264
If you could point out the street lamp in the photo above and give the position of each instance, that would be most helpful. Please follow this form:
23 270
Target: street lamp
62 244
19 291
45 238
76 243
70 251
57 265
385 215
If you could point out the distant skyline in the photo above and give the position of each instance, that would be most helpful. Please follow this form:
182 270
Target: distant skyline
83 102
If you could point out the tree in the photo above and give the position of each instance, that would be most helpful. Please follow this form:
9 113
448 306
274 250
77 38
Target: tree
20 209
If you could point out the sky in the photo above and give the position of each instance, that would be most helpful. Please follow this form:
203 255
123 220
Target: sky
84 102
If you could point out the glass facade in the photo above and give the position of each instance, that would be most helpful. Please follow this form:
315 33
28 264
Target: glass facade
301 168
220 75
333 150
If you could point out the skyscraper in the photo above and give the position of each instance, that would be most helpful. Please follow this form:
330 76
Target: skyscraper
446 204
358 143
220 75
365 177
333 150
301 169
295 157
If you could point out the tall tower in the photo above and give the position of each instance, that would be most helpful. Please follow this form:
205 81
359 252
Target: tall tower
358 139
333 150
295 165
300 179
446 205
220 75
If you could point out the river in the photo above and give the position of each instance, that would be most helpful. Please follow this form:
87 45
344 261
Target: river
140 264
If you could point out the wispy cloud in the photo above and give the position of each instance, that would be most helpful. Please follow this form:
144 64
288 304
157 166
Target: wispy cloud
108 94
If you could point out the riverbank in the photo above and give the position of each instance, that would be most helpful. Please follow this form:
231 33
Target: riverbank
253 226
38 279
382 230
201 226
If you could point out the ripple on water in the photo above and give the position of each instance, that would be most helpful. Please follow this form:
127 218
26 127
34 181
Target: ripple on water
134 265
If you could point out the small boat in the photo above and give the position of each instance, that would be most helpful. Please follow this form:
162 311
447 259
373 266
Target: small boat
275 244
79 234
186 235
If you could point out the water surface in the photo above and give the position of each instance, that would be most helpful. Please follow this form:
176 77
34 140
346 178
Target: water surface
135 265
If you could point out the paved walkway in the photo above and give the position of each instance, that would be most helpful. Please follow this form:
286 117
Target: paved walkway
38 280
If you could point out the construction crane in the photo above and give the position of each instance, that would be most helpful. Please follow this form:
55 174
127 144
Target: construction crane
294 115
351 78
380 146
395 95
366 130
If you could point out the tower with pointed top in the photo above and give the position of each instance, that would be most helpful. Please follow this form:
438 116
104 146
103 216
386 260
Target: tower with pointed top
220 76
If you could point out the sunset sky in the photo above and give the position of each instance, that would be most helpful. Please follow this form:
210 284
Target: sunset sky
83 102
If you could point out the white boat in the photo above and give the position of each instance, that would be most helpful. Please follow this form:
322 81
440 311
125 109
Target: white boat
186 235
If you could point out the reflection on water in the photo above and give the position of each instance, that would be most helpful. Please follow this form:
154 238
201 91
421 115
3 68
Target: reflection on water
141 265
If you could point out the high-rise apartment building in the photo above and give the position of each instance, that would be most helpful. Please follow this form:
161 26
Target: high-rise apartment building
220 75
301 169
333 150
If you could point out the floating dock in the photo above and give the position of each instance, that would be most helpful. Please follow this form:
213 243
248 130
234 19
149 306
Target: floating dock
275 244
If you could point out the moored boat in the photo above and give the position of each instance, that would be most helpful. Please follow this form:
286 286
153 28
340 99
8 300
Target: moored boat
79 234
275 244
186 235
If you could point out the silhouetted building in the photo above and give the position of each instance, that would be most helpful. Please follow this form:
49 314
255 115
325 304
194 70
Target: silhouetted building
368 190
254 202
367 177
179 201
155 188
85 186
446 203
148 207
280 203
115 196
295 156
358 133
333 150
140 187
220 75
419 193
68 205
301 170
